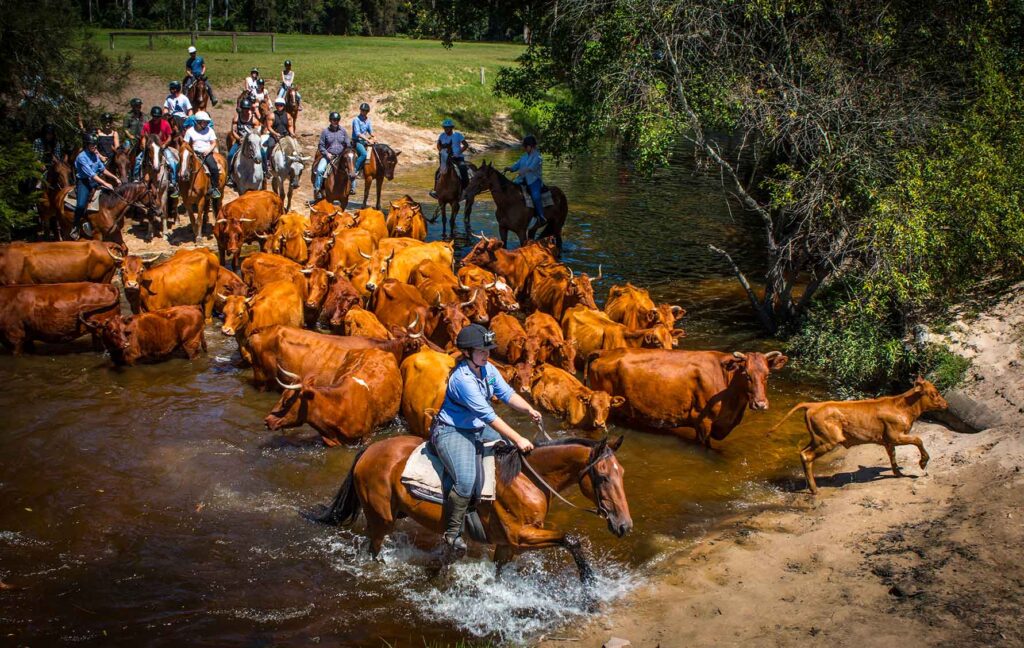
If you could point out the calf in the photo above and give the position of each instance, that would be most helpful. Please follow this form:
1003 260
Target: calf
552 345
514 345
883 421
153 336
560 392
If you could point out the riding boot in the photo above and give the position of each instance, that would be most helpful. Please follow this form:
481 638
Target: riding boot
455 507
209 91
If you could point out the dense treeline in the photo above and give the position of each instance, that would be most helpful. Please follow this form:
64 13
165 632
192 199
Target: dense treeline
881 147
447 19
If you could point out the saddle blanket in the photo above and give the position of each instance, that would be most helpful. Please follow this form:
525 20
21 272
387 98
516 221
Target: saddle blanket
545 198
94 205
424 470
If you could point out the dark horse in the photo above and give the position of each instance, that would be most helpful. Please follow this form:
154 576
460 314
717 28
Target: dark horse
379 165
108 221
510 208
58 181
197 94
514 521
338 177
449 193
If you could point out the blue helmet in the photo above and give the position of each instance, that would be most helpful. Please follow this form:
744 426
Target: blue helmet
447 124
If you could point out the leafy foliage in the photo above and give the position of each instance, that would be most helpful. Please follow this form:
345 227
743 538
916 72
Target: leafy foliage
19 171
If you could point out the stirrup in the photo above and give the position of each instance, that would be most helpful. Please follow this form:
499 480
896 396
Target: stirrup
456 546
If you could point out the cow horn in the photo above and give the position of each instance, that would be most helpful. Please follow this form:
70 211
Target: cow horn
250 300
391 256
330 274
261 237
246 220
364 255
415 336
437 304
415 321
490 285
221 220
772 354
571 275
463 286
599 273
221 296
737 354
115 257
306 271
471 300
287 385
307 239
287 374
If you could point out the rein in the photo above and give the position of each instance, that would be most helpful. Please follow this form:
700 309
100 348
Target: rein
599 511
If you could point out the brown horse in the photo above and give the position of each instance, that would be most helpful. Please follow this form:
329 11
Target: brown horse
108 222
197 94
510 208
449 192
291 103
515 520
156 174
338 178
120 164
380 164
56 181
194 183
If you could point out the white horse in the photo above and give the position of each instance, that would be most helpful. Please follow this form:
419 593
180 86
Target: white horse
287 163
248 165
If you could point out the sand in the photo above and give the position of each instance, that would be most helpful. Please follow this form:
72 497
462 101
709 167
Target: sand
930 559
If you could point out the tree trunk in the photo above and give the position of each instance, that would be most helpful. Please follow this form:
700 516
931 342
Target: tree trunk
209 15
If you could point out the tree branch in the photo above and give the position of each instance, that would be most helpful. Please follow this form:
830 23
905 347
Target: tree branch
766 319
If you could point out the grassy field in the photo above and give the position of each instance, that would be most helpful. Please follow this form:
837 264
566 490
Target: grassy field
422 81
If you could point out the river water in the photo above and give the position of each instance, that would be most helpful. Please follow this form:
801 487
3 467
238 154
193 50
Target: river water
150 506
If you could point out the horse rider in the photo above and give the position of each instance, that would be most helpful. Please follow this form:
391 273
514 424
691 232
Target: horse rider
280 126
451 149
203 140
466 421
243 124
259 95
177 105
530 168
89 172
333 142
250 82
159 126
133 123
362 136
107 138
47 146
287 81
195 70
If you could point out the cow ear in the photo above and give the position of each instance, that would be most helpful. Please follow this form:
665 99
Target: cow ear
678 333
732 363
618 401
397 153
617 443
776 360
583 397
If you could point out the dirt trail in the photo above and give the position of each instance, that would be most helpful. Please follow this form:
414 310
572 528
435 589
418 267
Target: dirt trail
933 559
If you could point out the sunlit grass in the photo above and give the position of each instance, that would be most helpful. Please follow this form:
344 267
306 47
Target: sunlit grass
424 81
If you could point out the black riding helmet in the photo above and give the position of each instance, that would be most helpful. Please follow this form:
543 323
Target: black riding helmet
135 102
246 103
334 117
254 71
89 140
260 82
106 118
156 111
529 140
174 85
364 106
288 62
475 336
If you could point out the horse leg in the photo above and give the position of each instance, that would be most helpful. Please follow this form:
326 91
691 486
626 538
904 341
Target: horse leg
380 185
503 555
366 190
503 233
534 538
444 220
378 528
455 212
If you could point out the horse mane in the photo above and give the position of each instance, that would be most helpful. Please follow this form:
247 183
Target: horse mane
384 148
509 462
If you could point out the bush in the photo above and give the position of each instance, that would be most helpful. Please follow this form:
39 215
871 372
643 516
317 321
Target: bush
19 171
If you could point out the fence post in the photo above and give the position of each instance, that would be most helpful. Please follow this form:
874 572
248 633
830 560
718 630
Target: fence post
273 42
234 42
111 40
151 41
483 77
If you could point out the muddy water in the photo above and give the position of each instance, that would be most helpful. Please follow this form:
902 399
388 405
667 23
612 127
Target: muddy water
150 505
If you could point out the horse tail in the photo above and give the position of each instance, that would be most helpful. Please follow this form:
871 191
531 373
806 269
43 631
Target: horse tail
796 407
346 505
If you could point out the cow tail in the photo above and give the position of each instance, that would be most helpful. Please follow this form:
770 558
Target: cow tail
796 407
346 505
593 355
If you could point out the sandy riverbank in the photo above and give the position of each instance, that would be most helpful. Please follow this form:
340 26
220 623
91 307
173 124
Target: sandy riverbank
931 559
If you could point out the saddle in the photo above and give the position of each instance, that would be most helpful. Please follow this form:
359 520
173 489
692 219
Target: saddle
546 198
70 200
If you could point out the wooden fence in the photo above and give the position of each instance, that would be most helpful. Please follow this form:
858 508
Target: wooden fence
194 36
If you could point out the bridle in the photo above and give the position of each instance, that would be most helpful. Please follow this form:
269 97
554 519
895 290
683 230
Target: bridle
590 470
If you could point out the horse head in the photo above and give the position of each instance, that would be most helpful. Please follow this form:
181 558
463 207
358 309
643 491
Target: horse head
388 158
601 480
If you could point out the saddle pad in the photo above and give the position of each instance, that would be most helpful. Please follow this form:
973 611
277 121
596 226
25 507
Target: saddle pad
423 471
94 205
545 198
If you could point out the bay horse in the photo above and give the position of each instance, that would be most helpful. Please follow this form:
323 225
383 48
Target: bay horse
514 521
120 164
108 222
337 184
194 183
291 103
379 165
449 192
197 94
510 209
156 174
56 181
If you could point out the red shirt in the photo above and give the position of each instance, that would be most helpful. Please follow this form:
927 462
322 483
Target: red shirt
158 126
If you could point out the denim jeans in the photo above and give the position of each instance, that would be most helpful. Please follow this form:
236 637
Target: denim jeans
538 204
457 448
82 192
361 160
318 174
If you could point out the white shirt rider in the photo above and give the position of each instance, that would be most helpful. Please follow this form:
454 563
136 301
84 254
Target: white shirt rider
178 106
202 141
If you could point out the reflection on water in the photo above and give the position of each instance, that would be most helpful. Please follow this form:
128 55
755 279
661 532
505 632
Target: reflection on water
146 504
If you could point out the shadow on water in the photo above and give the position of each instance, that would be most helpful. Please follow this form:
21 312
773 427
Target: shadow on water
150 505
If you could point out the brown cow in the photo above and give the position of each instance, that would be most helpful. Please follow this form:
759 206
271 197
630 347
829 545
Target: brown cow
405 218
53 312
561 393
706 391
515 266
289 238
63 262
360 322
361 394
400 264
396 304
187 278
341 296
591 330
634 308
313 283
239 222
350 247
514 345
518 376
371 220
278 302
228 284
553 288
153 336
424 380
883 421
323 216
499 296
552 347
436 282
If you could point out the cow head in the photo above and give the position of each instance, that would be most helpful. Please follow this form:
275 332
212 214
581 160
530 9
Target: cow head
565 350
501 297
475 307
230 235
114 332
929 396
318 283
236 314
482 253
523 349
518 376
597 405
451 317
358 275
321 223
581 287
753 368
320 252
131 272
379 268
290 410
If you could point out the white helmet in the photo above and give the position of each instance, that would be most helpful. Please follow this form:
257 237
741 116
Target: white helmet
280 101
191 49
202 116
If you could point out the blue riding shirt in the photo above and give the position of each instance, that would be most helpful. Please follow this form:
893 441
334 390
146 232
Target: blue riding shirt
467 401
195 65
88 165
361 127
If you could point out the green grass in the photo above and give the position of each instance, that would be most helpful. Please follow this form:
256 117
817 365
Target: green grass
423 81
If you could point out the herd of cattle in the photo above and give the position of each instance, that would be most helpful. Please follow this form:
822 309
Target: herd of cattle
352 316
